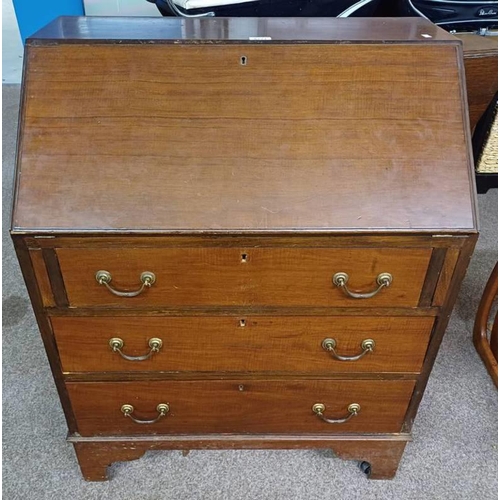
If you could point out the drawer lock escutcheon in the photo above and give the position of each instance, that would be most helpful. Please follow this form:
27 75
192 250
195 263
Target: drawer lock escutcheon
383 280
329 345
117 344
319 408
162 409
147 280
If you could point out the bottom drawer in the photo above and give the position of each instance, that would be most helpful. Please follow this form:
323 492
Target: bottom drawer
240 406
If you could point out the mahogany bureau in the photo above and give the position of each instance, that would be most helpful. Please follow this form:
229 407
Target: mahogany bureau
243 233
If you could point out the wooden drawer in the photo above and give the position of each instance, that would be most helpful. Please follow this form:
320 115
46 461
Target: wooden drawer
291 277
242 344
239 406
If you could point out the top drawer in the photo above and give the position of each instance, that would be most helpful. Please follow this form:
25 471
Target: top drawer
284 277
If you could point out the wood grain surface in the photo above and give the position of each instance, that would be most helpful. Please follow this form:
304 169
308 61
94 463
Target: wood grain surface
232 406
186 138
242 344
42 277
445 276
240 276
383 452
108 30
488 348
359 240
481 72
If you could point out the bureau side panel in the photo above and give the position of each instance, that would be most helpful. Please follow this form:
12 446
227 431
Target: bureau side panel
45 328
440 328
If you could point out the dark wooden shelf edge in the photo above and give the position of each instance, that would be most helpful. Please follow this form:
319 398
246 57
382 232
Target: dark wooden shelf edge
277 231
358 240
100 29
135 376
200 441
247 311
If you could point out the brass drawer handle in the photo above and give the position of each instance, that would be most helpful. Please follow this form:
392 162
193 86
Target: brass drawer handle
319 409
368 345
104 278
162 409
117 345
383 280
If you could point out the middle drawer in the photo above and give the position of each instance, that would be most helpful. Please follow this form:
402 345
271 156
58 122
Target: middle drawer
298 344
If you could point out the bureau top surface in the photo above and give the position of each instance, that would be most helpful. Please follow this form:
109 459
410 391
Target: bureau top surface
243 125
136 29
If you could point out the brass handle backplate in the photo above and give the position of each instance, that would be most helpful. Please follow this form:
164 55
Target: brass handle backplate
367 345
319 408
117 344
147 280
383 281
162 409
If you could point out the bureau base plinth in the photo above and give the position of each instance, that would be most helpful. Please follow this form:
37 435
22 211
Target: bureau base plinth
382 452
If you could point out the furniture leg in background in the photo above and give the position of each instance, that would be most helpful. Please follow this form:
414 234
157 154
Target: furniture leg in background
488 349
